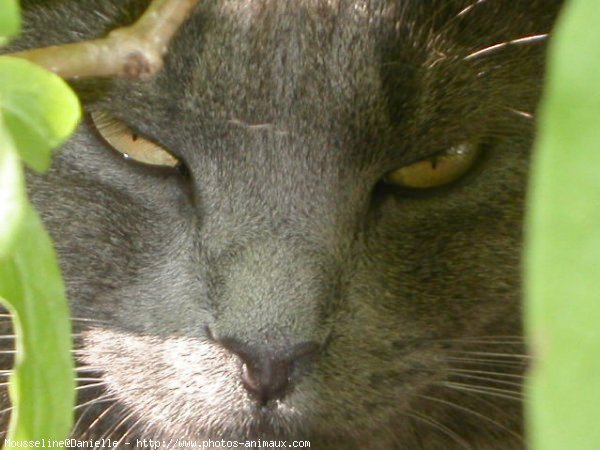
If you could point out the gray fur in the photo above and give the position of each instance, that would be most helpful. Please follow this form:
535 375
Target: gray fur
287 114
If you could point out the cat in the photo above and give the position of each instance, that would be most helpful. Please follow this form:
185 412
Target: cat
331 253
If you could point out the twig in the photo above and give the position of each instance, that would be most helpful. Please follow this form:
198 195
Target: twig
135 51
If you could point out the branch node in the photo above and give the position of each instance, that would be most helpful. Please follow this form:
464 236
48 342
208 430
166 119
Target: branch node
135 51
137 65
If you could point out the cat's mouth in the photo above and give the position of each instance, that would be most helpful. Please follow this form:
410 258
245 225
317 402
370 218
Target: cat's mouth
270 422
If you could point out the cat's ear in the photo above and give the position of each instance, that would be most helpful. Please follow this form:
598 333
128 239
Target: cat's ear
130 144
437 170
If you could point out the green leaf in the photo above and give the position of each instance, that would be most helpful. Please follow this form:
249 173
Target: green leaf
42 387
10 23
563 253
39 109
12 191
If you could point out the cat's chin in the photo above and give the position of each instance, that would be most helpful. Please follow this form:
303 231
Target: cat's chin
277 423
273 422
264 426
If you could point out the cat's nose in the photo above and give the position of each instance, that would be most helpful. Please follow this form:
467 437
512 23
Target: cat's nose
267 374
266 378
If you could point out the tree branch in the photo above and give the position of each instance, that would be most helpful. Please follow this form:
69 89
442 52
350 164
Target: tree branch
135 51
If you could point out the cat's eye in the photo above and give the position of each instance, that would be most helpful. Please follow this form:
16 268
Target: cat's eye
435 171
130 144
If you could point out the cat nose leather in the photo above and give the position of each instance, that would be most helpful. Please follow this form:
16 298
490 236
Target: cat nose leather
266 378
268 374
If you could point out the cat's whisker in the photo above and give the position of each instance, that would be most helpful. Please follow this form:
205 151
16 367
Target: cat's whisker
108 434
489 361
73 319
500 339
472 412
102 399
98 419
466 10
491 380
7 315
485 372
517 392
490 336
91 385
439 427
494 392
130 429
490 403
523 114
494 48
13 336
80 420
88 369
88 320
87 379
482 342
84 319
491 354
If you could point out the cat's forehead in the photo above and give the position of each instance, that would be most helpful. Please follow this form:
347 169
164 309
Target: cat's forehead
247 10
263 65
296 64
270 49
340 70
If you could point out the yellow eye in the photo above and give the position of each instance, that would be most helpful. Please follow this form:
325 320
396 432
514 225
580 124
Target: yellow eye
437 170
130 144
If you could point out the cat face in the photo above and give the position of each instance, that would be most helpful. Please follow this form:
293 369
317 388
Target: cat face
285 284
